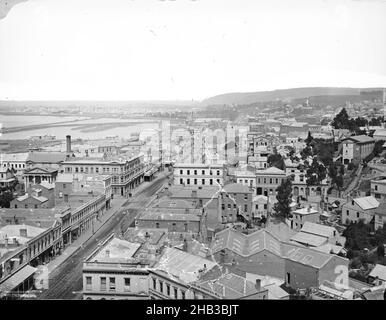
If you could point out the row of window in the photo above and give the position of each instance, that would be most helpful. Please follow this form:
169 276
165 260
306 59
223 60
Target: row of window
167 289
16 165
203 172
235 207
111 285
196 180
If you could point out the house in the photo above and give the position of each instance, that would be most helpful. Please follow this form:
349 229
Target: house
7 177
378 188
356 148
356 209
380 216
303 215
16 161
377 276
268 180
236 200
197 174
261 205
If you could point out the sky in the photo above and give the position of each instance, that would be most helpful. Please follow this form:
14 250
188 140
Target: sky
185 49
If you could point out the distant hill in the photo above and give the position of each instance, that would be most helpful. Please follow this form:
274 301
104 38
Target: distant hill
240 98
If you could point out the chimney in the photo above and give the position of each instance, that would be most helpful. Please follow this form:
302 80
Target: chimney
68 144
258 285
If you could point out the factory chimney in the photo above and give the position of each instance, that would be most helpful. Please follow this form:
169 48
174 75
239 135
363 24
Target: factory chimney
68 144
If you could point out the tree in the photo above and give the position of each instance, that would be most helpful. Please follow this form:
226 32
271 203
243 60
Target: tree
381 250
276 160
341 120
309 139
284 199
5 199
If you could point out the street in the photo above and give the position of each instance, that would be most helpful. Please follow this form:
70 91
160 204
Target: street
65 281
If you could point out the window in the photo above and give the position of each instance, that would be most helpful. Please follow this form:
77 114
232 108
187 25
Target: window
245 207
229 205
188 172
175 293
88 283
203 172
211 181
181 181
203 181
127 284
246 196
195 181
376 188
154 283
257 206
188 181
181 171
103 284
157 225
195 172
168 289
218 172
265 206
357 214
161 286
182 295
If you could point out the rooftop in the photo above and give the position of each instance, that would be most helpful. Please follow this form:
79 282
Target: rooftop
13 157
151 216
309 239
46 157
319 229
182 265
360 139
306 211
236 188
367 203
116 251
378 271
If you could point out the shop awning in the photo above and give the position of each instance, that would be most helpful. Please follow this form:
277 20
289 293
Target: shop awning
16 279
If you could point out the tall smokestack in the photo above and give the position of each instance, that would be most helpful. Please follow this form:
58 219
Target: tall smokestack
68 143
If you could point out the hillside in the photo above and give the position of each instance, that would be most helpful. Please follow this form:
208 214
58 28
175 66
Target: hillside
240 98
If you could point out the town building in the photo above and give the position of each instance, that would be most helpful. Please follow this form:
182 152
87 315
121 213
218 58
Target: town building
114 271
236 201
261 252
37 175
126 173
196 174
303 215
356 148
7 177
52 160
180 275
378 188
380 216
356 209
16 161
377 276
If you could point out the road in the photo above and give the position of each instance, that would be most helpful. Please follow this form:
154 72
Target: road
66 280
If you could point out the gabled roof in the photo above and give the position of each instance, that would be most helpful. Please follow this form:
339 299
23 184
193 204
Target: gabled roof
309 239
318 229
270 171
40 170
367 203
246 245
360 139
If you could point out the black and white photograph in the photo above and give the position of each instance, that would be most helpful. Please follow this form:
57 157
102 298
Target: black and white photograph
212 151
